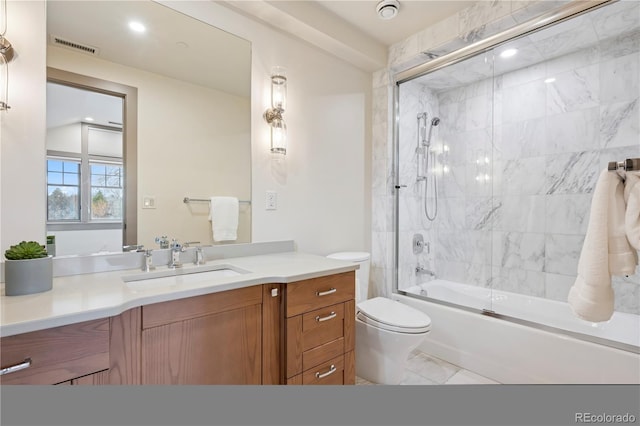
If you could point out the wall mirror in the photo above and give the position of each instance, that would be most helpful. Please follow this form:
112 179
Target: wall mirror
191 127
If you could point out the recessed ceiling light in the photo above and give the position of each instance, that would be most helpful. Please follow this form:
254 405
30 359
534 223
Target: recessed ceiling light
137 27
508 53
88 119
388 9
550 80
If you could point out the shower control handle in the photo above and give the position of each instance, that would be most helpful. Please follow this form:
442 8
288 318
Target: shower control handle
419 245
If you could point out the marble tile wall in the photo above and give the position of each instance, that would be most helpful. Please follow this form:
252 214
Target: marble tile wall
515 195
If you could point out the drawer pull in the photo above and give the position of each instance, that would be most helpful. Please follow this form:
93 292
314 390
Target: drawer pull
328 373
332 315
324 293
12 369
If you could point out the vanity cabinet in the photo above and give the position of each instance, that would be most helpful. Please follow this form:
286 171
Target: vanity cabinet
320 331
69 353
295 333
210 339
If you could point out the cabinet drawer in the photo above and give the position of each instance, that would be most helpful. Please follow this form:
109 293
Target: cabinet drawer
322 326
56 354
162 313
305 296
327 373
322 353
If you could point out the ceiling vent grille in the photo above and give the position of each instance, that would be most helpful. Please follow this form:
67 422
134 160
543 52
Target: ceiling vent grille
72 45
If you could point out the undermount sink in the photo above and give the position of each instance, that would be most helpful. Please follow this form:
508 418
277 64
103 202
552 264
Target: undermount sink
172 277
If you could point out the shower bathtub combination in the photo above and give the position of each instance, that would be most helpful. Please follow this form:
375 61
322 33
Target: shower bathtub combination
493 189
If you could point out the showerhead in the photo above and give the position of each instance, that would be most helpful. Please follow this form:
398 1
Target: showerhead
434 122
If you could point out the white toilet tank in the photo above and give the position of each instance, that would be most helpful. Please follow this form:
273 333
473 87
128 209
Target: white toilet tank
362 274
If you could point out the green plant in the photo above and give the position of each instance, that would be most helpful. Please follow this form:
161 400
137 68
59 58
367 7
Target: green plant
26 250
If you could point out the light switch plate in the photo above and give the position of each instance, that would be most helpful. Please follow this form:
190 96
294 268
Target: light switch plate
148 202
271 200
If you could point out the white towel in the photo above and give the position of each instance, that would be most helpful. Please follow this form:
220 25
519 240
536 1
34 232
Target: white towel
224 218
605 252
632 215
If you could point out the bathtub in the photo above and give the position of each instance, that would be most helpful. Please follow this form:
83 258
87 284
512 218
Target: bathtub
514 352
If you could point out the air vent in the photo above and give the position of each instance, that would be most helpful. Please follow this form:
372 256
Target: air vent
59 41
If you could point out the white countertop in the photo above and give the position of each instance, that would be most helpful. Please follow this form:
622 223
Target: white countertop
86 297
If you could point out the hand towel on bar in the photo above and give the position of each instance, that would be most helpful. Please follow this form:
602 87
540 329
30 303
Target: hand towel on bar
632 214
605 252
224 218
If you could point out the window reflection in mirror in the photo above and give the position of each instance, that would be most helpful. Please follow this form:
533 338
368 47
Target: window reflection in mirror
85 170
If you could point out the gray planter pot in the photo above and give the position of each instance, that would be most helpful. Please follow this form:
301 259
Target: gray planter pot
28 276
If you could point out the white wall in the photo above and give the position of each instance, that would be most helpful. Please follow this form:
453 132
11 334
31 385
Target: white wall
22 151
323 185
86 242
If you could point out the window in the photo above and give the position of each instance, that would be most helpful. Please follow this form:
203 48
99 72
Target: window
85 180
106 191
63 189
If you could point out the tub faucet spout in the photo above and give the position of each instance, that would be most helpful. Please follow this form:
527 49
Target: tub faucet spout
420 270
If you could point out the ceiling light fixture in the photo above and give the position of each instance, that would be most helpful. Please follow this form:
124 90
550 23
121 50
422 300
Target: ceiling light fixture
508 53
137 27
388 9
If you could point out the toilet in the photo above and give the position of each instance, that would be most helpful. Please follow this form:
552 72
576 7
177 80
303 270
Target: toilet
386 330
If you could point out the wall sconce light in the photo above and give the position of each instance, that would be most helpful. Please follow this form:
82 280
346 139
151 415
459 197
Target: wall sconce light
273 115
6 54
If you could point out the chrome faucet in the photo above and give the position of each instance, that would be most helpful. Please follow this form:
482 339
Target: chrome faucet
421 270
176 249
147 265
199 253
163 241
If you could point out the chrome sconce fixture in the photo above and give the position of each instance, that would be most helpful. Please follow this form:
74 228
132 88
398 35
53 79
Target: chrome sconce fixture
6 54
273 115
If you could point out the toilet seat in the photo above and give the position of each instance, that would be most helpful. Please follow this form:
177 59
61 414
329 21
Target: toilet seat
392 315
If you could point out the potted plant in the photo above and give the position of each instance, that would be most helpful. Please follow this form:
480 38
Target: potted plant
28 269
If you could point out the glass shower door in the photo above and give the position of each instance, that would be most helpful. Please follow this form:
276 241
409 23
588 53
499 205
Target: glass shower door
445 175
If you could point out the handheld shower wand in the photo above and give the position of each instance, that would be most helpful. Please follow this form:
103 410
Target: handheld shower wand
420 147
430 177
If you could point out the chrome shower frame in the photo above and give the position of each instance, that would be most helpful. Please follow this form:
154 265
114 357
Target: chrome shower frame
560 14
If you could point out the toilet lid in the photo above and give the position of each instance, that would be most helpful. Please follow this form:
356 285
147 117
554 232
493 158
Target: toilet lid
353 256
393 316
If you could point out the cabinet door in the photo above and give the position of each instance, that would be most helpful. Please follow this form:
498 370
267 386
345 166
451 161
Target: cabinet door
220 349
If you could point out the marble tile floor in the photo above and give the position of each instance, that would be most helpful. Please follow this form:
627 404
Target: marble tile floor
424 369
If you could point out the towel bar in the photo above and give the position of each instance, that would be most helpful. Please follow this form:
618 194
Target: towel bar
187 200
629 165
